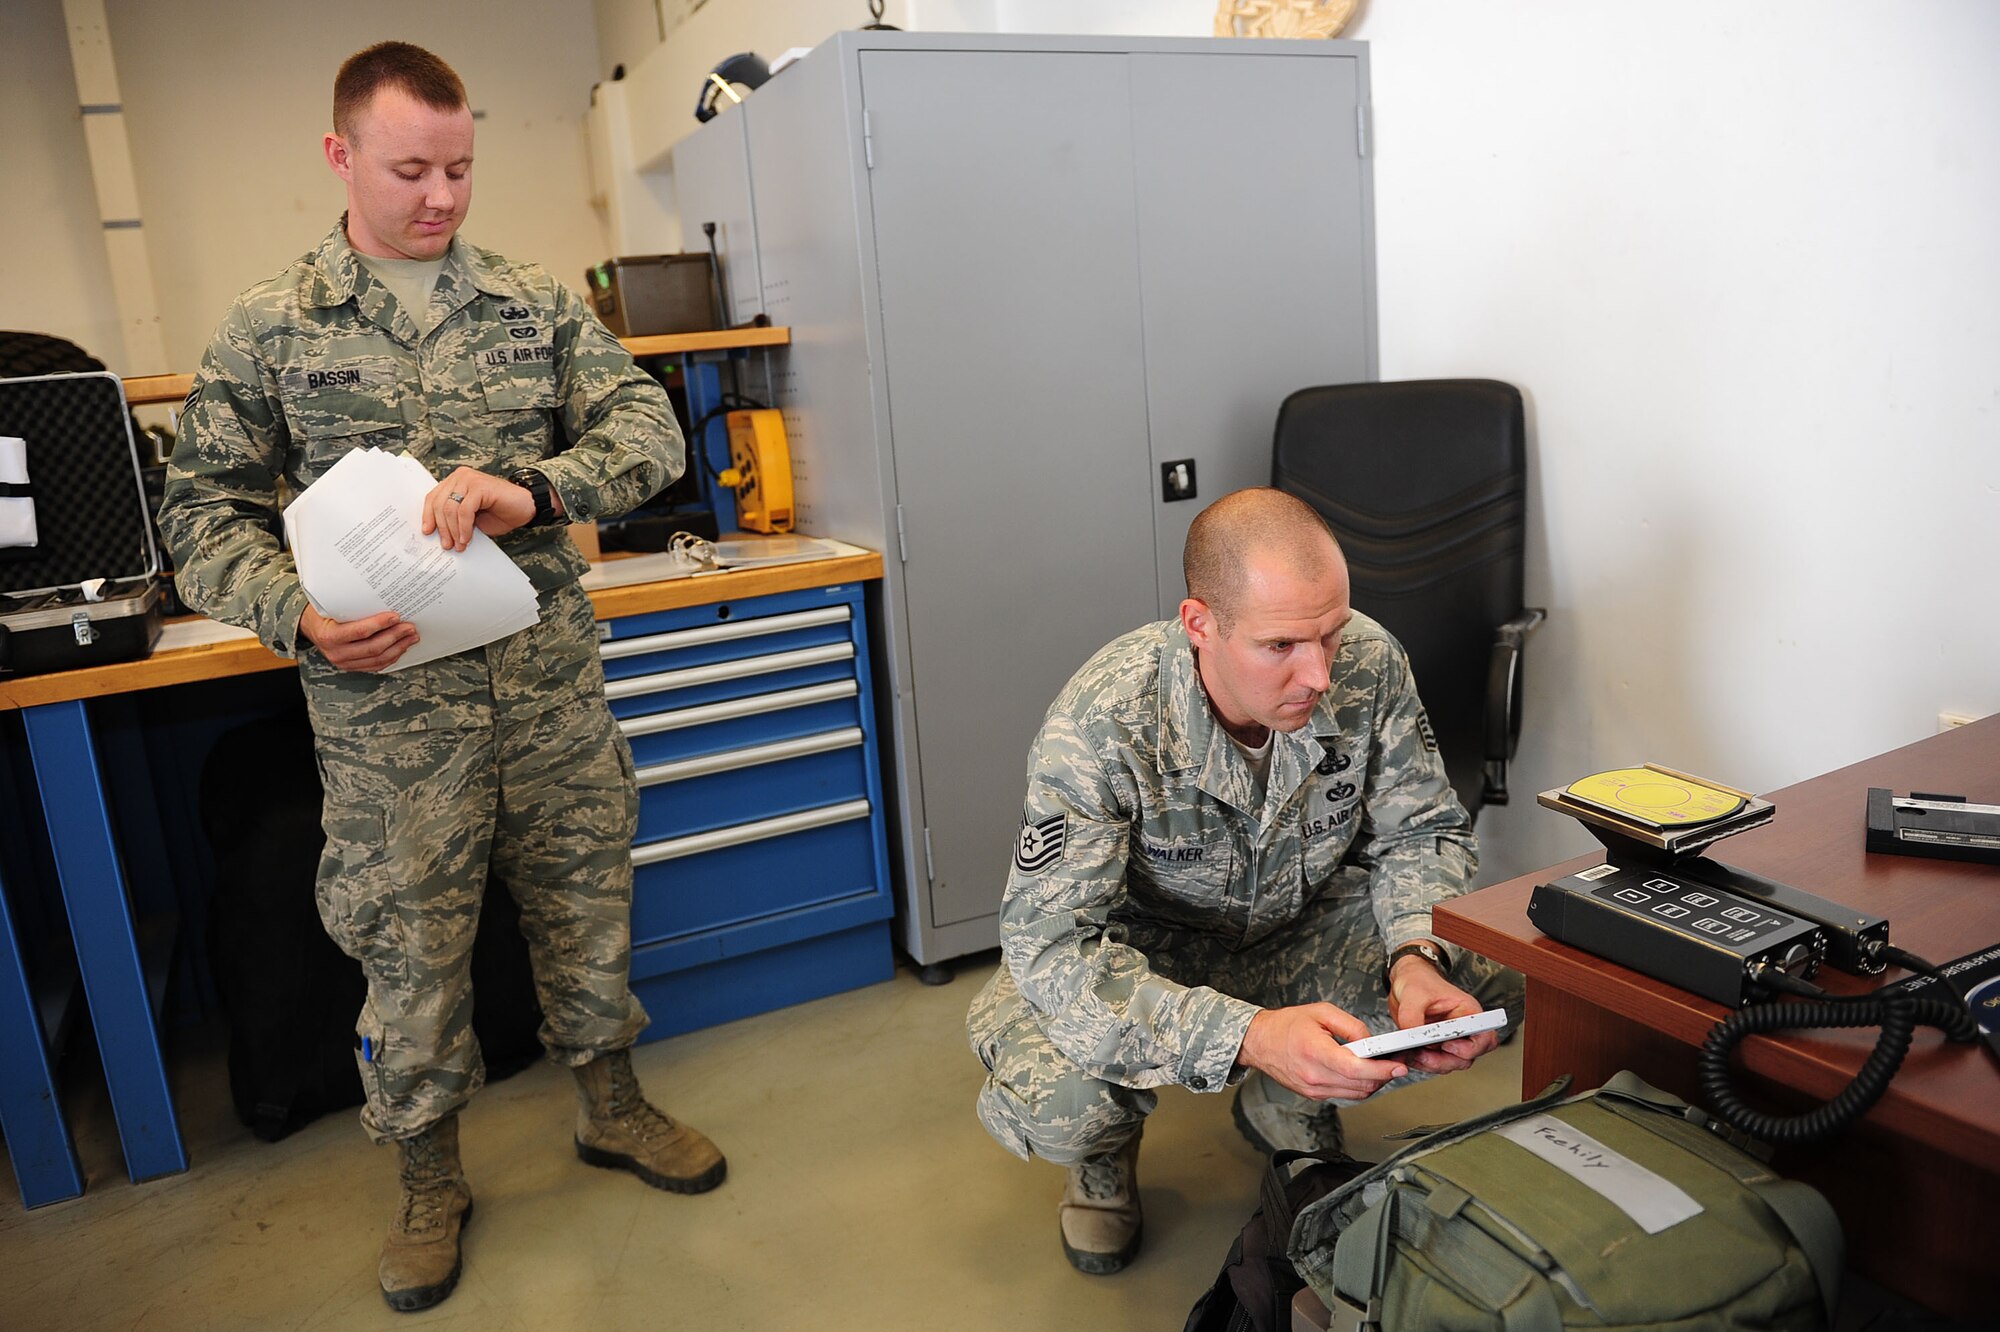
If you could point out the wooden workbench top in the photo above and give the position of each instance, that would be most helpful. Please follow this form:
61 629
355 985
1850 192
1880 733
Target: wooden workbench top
143 389
246 656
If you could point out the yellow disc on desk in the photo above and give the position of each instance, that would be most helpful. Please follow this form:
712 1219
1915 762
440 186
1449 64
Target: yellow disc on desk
1646 796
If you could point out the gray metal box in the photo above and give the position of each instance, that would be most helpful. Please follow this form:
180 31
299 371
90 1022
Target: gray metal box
646 294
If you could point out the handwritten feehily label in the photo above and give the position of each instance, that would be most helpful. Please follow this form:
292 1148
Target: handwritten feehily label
1652 1201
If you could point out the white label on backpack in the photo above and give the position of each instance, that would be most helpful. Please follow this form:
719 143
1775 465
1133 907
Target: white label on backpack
1652 1201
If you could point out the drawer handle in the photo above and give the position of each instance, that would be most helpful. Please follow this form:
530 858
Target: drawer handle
738 669
730 709
731 760
738 834
723 633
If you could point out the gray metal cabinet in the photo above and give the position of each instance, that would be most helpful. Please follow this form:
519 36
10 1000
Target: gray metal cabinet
713 168
1023 275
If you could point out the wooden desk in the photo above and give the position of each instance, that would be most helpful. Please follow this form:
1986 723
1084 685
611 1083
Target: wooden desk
91 873
1912 1180
245 656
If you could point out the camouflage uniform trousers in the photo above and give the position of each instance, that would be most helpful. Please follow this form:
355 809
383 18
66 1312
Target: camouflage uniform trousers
546 800
1038 1102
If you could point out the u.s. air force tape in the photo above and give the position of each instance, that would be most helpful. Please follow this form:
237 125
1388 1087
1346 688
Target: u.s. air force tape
1041 843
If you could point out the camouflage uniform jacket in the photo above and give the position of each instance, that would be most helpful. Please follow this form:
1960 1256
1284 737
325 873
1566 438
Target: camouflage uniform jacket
320 360
1141 823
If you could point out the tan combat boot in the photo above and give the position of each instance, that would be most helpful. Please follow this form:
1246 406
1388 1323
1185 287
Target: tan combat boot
1274 1119
618 1129
1100 1211
421 1257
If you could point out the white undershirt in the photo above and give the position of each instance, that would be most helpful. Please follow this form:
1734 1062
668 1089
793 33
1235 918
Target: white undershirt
410 281
1259 760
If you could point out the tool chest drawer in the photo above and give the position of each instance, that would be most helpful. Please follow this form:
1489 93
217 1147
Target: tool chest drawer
746 722
727 657
671 691
721 637
730 786
760 868
815 856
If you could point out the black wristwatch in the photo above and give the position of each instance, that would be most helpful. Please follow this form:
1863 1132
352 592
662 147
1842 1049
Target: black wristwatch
545 496
1423 948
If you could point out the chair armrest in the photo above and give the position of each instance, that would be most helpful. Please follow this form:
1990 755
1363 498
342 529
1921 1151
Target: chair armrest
1515 632
1503 698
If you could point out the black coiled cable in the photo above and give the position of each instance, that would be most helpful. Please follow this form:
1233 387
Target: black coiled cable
697 436
1897 1014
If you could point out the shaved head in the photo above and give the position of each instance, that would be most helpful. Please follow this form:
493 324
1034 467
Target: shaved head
1260 523
1266 607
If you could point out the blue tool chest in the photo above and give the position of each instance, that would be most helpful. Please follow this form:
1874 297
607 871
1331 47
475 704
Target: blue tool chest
760 869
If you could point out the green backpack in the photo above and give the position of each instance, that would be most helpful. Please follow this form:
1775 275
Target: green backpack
1617 1208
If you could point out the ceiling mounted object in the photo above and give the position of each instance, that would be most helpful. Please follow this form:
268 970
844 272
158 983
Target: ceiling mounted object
1283 18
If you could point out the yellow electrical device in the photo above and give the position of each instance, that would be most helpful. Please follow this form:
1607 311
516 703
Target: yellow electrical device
760 470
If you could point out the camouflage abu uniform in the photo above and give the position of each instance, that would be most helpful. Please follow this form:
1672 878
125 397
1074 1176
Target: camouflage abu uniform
502 759
1153 907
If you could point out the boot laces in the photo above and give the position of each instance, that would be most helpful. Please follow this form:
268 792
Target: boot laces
629 1105
426 1185
1323 1129
1288 1122
1102 1177
423 1208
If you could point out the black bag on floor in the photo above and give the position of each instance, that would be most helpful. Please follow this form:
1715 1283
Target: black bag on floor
1254 1290
290 994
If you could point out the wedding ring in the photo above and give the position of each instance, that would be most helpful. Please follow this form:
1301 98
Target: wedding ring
457 498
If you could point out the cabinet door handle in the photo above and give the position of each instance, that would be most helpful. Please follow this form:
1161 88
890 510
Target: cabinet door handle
730 760
741 667
730 709
723 633
738 834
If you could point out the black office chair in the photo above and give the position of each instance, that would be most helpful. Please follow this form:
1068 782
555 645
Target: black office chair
1424 482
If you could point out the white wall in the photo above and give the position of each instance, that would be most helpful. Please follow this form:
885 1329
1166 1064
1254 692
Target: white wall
225 102
627 31
637 121
54 275
663 78
1744 272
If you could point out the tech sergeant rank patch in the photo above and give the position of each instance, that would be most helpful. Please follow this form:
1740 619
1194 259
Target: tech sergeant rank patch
1041 843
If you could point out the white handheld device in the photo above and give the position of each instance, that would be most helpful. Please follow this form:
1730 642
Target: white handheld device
1435 1033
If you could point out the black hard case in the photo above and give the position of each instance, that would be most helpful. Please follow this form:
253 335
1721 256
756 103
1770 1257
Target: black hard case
93 521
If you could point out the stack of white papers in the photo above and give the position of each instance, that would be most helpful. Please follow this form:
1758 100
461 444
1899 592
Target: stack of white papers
357 539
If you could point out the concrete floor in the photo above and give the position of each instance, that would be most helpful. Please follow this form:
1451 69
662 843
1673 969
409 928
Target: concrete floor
862 1193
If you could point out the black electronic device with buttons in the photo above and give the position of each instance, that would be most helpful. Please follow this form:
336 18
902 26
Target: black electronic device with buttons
1949 827
1677 928
1657 906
